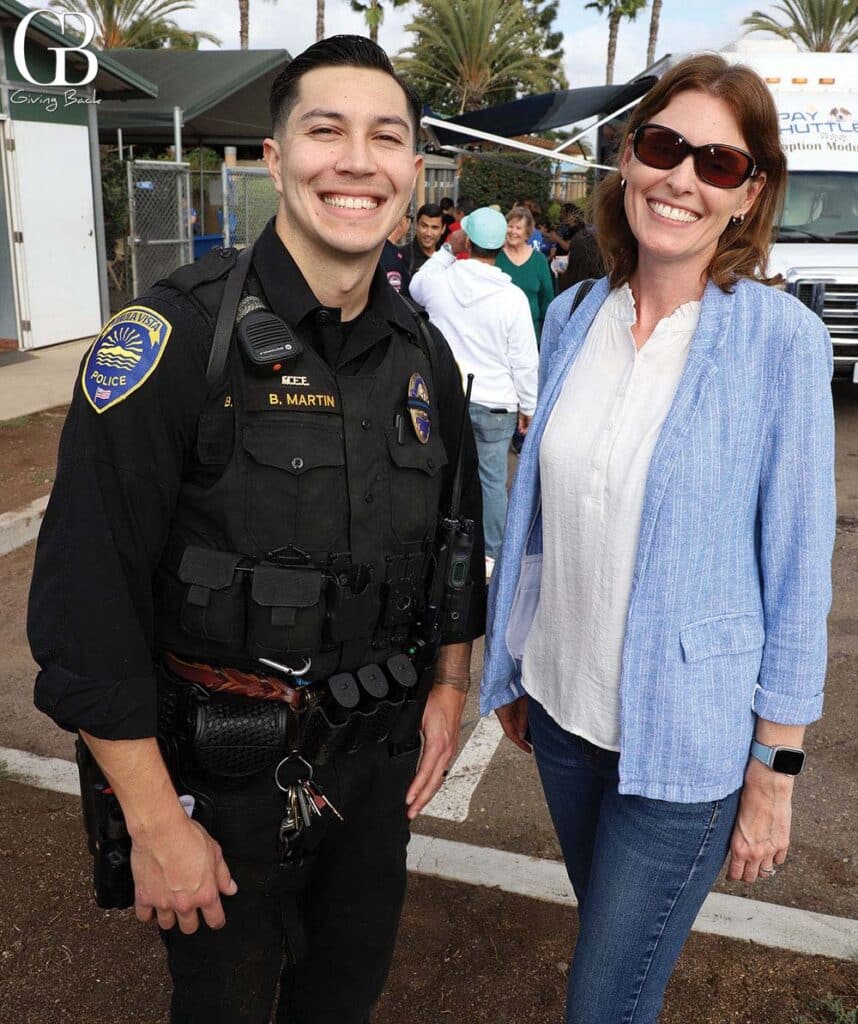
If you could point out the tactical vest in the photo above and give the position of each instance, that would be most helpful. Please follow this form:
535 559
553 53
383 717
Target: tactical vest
304 526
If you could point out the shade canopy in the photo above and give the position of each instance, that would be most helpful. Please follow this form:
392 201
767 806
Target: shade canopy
223 96
543 112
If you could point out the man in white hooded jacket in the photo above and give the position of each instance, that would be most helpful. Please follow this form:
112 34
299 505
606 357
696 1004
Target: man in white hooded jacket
486 321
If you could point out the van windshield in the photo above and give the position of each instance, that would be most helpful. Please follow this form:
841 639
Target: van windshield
821 206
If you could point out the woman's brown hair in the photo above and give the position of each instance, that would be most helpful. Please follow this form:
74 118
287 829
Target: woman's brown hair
743 248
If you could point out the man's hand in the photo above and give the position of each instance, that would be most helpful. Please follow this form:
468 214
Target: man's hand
513 720
761 833
523 422
441 720
178 868
179 874
458 242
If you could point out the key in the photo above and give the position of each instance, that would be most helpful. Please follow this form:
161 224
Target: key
311 800
319 797
304 805
291 823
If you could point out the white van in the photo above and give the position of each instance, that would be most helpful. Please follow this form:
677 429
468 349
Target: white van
816 247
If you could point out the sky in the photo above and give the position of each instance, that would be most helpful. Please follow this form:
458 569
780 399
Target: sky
684 25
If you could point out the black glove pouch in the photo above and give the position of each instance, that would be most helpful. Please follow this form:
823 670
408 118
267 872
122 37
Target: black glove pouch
213 603
286 612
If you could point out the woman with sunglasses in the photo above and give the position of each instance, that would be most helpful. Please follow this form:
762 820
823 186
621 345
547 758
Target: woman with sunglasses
657 614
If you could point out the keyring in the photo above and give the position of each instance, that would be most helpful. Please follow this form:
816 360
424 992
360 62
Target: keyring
287 758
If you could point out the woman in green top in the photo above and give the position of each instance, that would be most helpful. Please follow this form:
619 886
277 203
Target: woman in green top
527 267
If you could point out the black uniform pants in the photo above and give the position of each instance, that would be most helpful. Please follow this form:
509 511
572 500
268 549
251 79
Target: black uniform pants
349 897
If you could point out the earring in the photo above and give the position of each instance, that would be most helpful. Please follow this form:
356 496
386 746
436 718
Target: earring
738 220
622 183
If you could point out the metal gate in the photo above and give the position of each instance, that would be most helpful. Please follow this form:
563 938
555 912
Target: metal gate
249 202
159 219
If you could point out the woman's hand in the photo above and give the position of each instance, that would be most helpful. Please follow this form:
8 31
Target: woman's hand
761 833
513 720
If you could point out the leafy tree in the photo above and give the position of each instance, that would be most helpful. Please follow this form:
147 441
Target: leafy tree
469 53
502 178
137 24
616 11
821 25
114 197
653 32
373 13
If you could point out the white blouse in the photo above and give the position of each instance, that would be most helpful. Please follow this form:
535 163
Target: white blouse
593 465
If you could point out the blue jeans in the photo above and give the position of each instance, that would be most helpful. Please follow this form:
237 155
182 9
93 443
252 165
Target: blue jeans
640 868
492 432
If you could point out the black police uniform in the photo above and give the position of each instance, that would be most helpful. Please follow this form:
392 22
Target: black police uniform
320 485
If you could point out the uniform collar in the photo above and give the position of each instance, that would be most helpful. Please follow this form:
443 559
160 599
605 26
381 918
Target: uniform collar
292 299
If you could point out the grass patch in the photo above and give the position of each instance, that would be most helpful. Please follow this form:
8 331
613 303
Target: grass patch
830 1009
18 421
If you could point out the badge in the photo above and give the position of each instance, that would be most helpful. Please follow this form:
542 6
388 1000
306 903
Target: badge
124 356
418 407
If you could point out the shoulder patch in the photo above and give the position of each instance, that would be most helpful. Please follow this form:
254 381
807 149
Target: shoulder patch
124 356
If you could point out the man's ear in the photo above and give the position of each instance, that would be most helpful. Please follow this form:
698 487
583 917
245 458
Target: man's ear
271 156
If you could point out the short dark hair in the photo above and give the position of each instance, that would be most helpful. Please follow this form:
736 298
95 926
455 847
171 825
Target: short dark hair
479 251
336 51
429 210
446 204
466 205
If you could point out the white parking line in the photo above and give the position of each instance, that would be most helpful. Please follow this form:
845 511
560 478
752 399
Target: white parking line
21 526
453 800
734 917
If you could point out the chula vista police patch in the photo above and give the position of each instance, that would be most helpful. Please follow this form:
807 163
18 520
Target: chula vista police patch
124 356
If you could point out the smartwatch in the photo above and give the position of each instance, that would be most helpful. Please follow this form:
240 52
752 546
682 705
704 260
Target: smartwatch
787 760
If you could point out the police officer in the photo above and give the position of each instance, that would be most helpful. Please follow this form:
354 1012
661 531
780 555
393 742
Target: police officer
267 529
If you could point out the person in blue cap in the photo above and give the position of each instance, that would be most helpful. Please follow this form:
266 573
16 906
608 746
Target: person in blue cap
486 320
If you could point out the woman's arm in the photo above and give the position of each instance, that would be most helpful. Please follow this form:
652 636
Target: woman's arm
796 517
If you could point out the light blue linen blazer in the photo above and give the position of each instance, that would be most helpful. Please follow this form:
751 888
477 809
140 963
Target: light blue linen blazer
732 580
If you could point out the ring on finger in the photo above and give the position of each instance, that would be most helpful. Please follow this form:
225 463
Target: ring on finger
768 872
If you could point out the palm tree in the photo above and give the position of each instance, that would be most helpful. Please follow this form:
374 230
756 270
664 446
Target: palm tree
141 24
373 14
653 32
821 25
467 54
616 11
320 20
243 23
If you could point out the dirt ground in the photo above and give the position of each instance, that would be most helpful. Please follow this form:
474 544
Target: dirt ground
28 457
466 954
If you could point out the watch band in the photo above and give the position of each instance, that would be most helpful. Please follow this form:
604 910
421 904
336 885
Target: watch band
786 760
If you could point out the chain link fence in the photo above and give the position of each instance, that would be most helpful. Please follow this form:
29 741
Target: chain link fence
159 204
249 202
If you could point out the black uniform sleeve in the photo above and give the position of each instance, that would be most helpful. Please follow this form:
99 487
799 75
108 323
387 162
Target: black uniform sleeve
90 617
451 405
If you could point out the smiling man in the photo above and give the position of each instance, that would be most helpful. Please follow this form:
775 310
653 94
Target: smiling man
233 596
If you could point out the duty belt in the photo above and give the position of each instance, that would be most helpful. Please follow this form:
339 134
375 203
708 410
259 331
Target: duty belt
232 724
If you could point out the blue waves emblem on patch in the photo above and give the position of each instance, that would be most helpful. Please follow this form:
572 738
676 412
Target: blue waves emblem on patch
124 355
418 407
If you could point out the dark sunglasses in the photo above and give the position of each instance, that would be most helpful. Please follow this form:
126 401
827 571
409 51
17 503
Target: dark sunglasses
718 165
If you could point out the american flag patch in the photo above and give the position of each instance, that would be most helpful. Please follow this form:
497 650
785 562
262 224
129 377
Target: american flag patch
102 393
